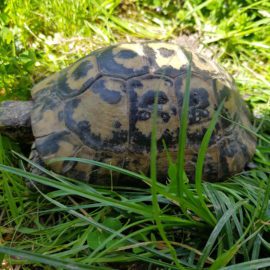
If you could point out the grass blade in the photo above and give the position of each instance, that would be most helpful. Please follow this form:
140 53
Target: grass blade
48 260
153 175
225 258
210 243
250 265
76 190
180 165
200 162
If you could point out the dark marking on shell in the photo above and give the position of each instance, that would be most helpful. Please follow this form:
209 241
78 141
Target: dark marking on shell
64 90
119 137
117 124
139 142
135 84
165 117
108 95
231 148
143 115
43 93
198 103
199 97
179 92
166 52
210 170
148 99
48 102
169 138
83 130
126 54
63 86
141 109
194 138
82 69
169 71
50 144
108 66
78 175
165 70
173 110
151 57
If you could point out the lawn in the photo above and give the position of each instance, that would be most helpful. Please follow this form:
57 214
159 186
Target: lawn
73 225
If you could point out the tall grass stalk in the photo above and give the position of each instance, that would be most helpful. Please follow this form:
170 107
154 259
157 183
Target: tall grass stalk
153 175
180 167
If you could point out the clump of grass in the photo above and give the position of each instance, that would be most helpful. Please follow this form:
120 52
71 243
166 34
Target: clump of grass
89 226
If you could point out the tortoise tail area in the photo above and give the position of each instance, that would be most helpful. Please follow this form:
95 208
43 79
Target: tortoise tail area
15 120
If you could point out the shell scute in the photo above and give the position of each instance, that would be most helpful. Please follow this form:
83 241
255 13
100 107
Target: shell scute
123 61
93 114
141 103
58 144
166 59
78 77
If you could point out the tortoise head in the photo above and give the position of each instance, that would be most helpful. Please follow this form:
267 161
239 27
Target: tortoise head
15 120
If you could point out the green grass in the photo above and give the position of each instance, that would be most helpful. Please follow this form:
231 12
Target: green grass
175 226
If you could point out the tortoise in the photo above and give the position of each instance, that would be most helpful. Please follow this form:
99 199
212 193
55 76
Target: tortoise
101 108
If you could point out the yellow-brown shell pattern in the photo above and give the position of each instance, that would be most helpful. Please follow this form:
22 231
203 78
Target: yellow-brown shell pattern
101 108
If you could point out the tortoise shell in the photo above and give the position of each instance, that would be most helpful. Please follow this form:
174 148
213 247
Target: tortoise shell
100 108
